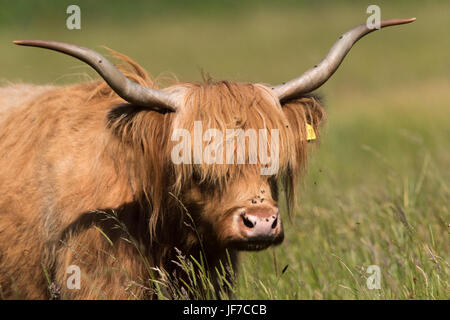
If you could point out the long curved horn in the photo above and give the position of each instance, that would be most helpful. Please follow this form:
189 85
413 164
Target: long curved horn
321 72
125 88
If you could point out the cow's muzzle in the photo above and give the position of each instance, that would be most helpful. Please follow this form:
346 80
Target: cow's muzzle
260 227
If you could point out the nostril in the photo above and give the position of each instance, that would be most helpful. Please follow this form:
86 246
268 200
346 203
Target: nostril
275 223
247 222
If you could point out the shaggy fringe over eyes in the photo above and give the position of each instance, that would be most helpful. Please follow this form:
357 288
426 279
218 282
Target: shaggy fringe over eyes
225 105
142 137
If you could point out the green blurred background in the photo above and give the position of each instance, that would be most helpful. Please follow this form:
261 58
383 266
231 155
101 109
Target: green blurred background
377 188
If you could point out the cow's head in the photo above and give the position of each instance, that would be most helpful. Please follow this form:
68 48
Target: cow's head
232 145
232 195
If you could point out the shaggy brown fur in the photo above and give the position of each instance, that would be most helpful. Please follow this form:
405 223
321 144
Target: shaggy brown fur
77 161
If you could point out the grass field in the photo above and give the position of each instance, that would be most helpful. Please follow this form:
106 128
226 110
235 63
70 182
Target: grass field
378 187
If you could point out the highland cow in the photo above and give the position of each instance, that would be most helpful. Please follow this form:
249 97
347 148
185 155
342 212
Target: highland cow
87 177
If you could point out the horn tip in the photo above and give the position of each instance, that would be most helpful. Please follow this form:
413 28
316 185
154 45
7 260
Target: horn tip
25 42
28 42
394 22
405 21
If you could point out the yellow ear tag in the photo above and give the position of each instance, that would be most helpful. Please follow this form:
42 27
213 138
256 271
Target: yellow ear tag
310 134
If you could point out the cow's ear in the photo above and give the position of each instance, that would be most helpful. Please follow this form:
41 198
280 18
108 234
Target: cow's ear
305 115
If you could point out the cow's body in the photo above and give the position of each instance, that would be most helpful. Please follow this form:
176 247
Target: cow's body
48 135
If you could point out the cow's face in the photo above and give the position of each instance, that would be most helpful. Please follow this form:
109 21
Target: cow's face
228 180
242 215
